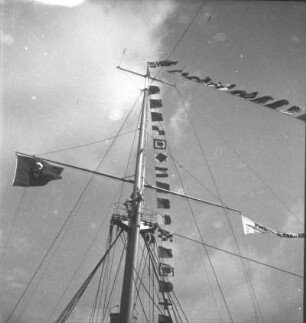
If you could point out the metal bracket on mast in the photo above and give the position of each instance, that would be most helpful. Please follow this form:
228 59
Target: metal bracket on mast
144 75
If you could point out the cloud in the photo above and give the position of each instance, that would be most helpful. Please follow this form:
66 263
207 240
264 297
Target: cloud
62 3
6 39
178 120
65 3
220 36
70 69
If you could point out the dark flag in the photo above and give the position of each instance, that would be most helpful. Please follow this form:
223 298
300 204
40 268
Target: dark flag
165 235
206 80
196 78
164 186
175 71
167 219
237 92
161 157
33 171
163 203
167 62
162 63
166 270
164 252
156 116
165 287
159 144
154 103
302 117
164 319
263 99
277 104
153 89
293 109
161 171
160 130
251 95
290 235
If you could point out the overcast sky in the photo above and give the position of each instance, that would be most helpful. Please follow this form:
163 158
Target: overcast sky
61 88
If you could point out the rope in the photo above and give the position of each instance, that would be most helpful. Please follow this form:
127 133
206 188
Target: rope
114 284
248 280
208 257
85 145
183 34
71 305
82 261
64 225
249 167
13 225
243 257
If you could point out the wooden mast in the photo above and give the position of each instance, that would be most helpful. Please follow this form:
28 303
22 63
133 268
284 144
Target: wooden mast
129 278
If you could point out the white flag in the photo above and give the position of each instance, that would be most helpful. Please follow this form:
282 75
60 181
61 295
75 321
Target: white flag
250 226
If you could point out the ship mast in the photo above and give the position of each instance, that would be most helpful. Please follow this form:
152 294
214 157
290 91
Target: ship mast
129 278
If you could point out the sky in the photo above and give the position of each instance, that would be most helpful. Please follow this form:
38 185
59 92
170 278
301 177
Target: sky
60 88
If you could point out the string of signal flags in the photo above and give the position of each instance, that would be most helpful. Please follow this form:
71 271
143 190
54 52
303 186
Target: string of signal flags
281 105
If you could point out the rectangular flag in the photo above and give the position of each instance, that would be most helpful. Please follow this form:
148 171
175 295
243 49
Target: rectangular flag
156 116
165 287
167 219
162 63
155 103
162 185
33 171
164 318
166 270
277 104
160 130
159 144
165 235
263 99
154 89
163 203
164 252
161 171
251 95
